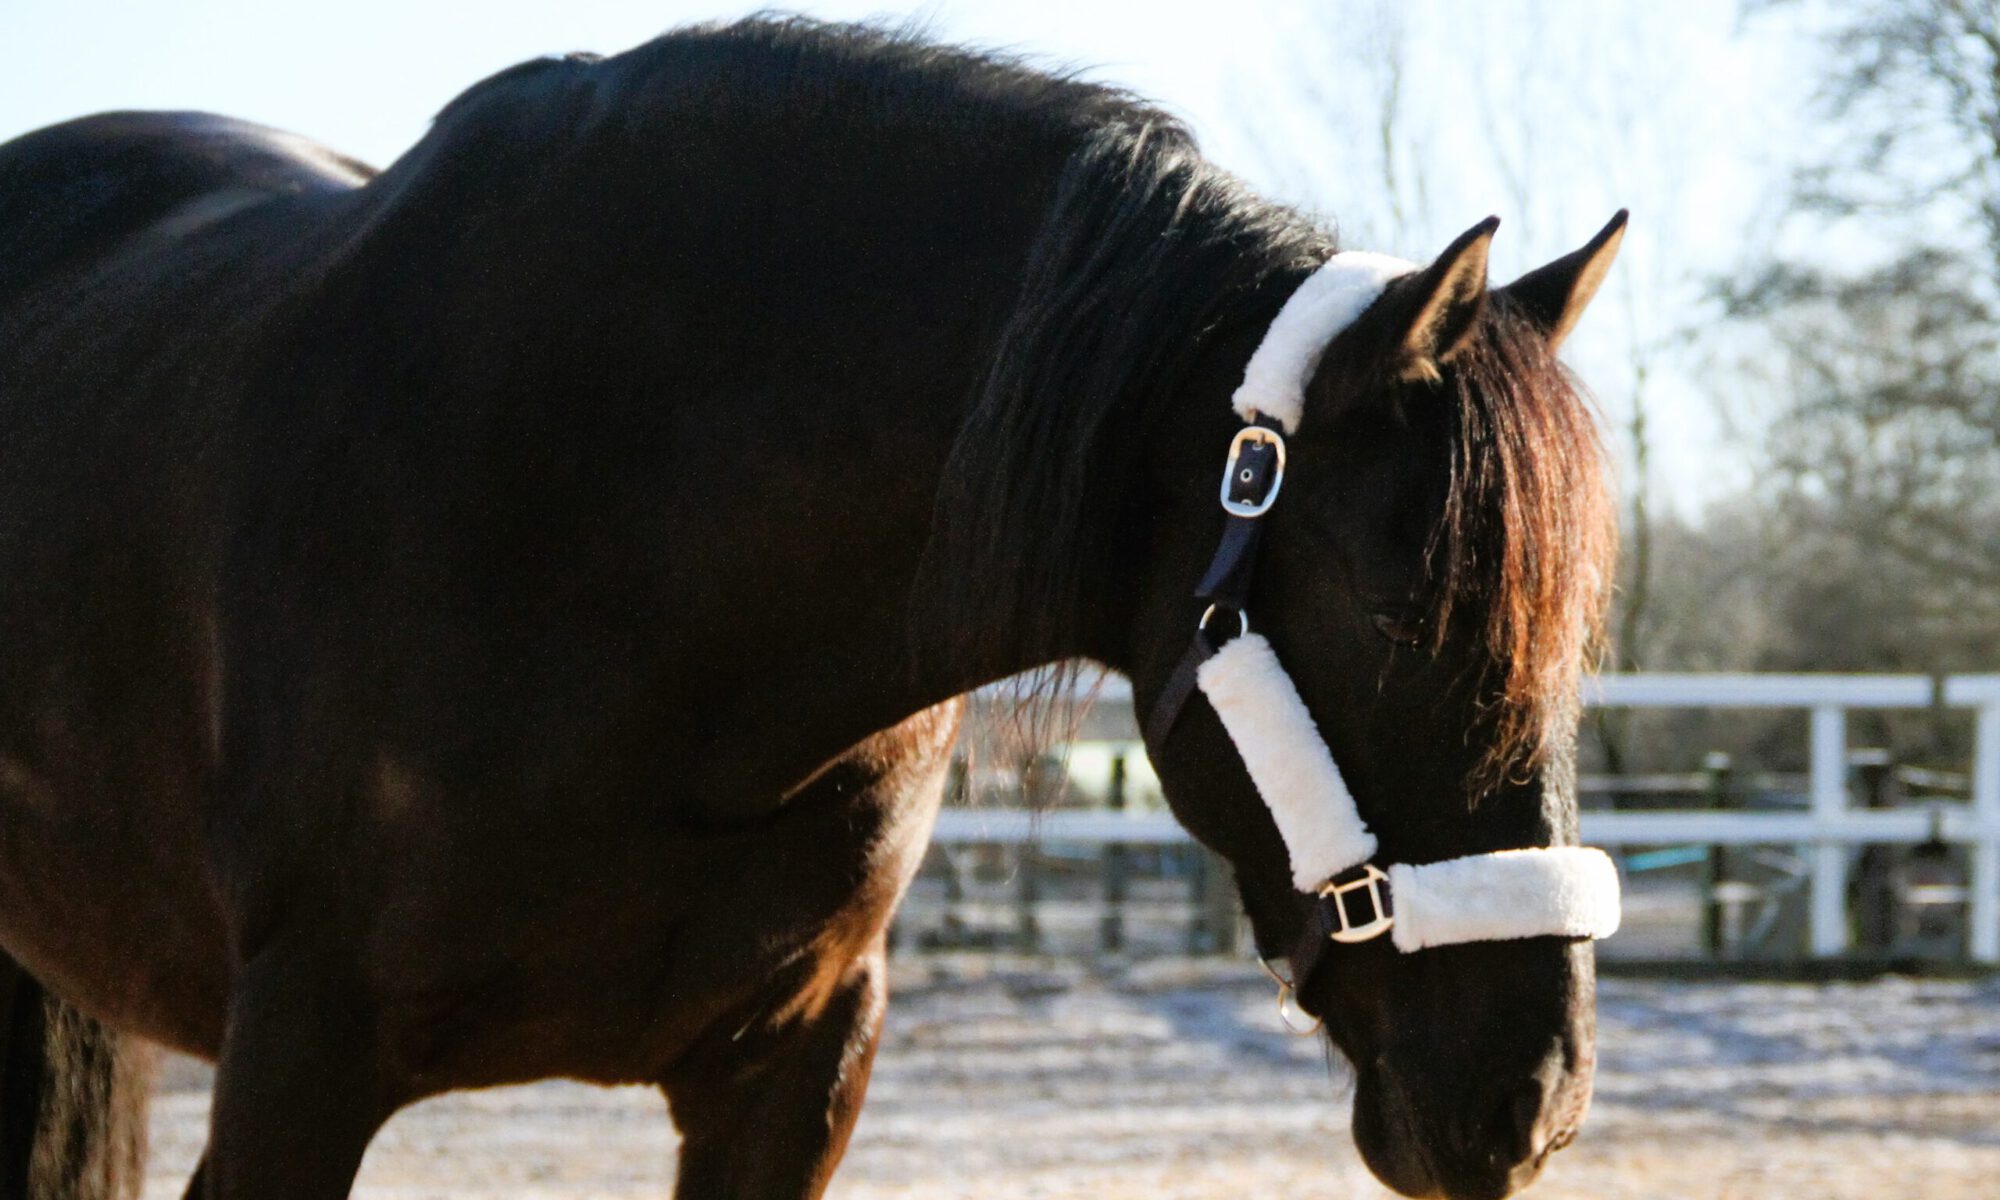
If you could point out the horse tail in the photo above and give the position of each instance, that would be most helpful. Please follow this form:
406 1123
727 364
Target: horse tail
73 1097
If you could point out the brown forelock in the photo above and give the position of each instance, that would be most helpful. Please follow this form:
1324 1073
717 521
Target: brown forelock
1523 556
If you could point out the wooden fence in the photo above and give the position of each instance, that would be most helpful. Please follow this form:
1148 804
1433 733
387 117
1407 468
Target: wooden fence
1833 834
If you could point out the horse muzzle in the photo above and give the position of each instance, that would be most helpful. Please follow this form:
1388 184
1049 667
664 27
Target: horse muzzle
1488 1144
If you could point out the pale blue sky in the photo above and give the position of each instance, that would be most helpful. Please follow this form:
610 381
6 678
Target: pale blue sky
365 75
1551 113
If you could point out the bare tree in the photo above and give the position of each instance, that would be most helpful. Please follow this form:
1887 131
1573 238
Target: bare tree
1891 367
1911 97
1546 114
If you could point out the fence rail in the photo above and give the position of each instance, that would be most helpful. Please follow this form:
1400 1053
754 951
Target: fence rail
1830 827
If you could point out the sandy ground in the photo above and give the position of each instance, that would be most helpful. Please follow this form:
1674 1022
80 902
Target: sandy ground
1172 1081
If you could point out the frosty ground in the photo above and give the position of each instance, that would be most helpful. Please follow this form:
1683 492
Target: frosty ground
1172 1080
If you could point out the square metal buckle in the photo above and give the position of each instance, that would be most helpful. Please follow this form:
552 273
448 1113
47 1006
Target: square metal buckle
1265 436
1364 880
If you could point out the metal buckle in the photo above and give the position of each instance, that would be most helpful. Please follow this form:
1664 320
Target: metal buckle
1365 878
1252 508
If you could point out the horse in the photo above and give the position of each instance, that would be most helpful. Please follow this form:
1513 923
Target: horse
500 617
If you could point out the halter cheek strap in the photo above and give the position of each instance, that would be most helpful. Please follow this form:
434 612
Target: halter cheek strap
1561 891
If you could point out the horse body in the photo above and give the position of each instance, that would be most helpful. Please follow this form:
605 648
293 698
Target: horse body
415 542
112 541
461 625
552 848
630 829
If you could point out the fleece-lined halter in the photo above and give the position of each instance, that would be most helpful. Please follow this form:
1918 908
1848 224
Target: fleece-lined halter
1560 891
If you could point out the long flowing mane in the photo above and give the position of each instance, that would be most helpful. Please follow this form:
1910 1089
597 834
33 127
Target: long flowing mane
1145 253
1525 550
1144 248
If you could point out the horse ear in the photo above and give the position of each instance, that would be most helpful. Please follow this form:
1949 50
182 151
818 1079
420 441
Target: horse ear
1429 316
1554 296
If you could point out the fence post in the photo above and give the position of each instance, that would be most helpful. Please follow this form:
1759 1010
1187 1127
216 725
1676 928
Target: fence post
1111 929
1221 905
1715 864
1195 855
1027 895
1874 894
958 788
1828 927
1040 779
1985 915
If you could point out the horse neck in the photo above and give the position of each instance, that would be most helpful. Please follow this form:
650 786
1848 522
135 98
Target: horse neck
784 375
824 382
1009 529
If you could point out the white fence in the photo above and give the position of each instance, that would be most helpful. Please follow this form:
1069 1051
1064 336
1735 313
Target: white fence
1831 827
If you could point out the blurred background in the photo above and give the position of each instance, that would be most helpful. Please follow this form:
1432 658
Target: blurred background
1795 751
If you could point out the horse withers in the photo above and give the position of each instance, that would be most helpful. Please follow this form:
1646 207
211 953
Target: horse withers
463 624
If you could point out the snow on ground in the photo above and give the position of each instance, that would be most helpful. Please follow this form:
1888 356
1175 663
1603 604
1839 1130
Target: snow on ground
1172 1080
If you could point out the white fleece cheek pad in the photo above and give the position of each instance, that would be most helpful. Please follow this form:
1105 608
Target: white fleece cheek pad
1560 891
1287 760
1331 298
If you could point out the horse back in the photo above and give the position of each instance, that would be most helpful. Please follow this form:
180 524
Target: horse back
73 192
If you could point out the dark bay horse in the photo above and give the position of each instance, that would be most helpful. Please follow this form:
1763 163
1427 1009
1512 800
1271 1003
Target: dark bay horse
499 618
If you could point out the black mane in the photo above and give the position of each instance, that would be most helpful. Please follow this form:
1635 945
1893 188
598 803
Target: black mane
1142 245
1145 252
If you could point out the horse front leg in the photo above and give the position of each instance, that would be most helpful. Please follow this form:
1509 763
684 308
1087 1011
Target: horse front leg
766 1115
300 1088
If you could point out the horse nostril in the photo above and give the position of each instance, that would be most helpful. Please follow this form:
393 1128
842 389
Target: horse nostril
1518 1124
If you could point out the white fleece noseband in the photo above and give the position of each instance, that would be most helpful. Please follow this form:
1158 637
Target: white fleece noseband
1562 891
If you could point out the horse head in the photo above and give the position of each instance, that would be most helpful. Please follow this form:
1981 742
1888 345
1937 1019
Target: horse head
1416 543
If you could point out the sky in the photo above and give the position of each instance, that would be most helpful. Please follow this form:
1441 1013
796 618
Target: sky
1550 113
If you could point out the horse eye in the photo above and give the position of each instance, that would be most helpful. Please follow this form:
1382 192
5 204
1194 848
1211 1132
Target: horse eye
1403 626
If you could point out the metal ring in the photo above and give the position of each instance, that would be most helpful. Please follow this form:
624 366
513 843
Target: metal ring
1288 1004
1242 620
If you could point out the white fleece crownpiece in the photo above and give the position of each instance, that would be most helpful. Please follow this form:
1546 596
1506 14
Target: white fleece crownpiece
1557 891
1287 760
1331 299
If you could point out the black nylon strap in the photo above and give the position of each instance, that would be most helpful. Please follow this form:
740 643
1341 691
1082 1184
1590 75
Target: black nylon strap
1312 952
1226 586
1180 686
1320 928
1226 582
1228 576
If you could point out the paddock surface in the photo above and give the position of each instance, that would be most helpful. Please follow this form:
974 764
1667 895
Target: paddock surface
1172 1081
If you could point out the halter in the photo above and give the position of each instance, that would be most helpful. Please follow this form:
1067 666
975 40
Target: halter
1559 891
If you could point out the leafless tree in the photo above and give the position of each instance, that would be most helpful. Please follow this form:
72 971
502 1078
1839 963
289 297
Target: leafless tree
1880 325
1434 114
